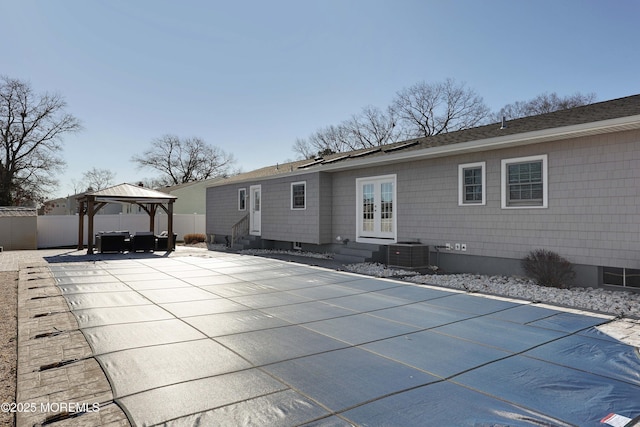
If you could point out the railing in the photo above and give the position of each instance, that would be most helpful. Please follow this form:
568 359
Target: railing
240 229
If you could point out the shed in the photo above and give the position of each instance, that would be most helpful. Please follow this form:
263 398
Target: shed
18 228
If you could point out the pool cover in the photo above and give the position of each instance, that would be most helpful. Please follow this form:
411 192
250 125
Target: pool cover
240 340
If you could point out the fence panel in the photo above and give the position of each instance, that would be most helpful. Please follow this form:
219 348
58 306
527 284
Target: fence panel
62 230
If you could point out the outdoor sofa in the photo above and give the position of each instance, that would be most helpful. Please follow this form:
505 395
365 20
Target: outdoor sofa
143 241
113 241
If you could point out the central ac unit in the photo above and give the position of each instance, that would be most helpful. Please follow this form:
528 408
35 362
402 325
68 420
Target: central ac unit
408 255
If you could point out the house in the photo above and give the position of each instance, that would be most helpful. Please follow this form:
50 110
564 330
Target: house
69 206
481 199
191 196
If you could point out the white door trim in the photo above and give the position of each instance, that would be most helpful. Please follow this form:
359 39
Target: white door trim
255 210
381 225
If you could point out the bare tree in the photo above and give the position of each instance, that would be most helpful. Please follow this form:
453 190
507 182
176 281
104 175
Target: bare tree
327 140
31 130
184 160
431 109
97 179
303 149
541 104
370 128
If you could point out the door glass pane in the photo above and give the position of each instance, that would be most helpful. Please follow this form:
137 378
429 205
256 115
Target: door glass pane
386 207
256 201
368 207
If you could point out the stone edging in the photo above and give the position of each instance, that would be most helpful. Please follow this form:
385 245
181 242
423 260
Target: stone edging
59 382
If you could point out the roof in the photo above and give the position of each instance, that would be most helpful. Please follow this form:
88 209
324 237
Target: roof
127 193
594 118
14 211
169 189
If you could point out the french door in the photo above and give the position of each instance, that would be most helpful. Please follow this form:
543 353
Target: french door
376 209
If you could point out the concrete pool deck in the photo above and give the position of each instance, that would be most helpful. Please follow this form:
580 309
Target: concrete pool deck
219 338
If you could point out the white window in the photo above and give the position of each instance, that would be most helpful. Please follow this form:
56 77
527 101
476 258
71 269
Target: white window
299 195
471 184
524 182
242 199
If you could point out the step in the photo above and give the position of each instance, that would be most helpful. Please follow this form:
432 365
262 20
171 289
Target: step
366 253
348 259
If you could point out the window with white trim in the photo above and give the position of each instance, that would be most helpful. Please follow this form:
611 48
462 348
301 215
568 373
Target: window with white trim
299 195
471 184
524 182
242 199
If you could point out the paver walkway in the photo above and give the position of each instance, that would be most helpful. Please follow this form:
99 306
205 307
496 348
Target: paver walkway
239 340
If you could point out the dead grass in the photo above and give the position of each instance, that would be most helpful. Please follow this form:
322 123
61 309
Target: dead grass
8 341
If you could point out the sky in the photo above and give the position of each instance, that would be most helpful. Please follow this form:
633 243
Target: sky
250 77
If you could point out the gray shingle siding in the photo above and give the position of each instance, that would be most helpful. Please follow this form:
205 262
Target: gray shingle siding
222 209
279 221
592 217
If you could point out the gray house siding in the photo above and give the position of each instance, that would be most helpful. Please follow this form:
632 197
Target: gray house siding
279 222
222 210
592 216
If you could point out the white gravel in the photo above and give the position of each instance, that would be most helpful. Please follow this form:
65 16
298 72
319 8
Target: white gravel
600 300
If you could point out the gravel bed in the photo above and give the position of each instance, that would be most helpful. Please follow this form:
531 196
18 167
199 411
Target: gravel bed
613 302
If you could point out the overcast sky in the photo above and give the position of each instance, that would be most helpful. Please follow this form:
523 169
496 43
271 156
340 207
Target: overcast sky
252 76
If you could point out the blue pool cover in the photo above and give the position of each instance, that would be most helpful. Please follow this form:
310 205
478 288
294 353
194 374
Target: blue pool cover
241 340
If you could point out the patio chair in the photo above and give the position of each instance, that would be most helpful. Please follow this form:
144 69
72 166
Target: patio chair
143 241
113 241
162 242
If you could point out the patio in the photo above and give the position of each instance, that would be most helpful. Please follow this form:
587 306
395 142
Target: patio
241 340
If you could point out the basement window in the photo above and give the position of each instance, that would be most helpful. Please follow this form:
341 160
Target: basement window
626 277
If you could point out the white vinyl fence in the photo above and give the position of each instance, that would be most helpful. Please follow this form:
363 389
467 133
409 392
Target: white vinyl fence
62 230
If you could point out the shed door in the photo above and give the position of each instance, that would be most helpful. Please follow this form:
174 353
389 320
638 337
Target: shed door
255 213
376 209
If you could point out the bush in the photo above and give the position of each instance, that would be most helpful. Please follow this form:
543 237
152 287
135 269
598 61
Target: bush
190 239
548 268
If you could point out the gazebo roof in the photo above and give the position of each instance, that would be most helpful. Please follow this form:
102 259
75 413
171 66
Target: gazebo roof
127 193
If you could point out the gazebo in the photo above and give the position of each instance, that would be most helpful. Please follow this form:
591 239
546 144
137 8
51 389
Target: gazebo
149 200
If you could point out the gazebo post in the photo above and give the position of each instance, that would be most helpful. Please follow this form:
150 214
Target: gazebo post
90 213
80 225
152 217
170 241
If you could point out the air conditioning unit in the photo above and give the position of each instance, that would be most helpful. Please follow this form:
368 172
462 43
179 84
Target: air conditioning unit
408 255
